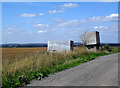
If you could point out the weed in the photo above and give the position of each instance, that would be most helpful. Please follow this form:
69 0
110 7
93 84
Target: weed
40 64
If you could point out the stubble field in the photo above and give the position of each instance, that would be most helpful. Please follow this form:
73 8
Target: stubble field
11 54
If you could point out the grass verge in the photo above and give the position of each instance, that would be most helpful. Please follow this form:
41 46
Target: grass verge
40 65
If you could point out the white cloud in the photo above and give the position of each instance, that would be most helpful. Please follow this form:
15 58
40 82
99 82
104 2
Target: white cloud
69 23
98 27
95 27
27 15
98 19
69 5
112 15
111 28
31 15
62 7
55 11
110 18
41 26
41 14
41 31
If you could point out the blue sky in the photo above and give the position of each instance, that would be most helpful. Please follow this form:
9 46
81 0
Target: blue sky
60 0
35 22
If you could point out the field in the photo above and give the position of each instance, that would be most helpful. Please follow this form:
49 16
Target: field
29 63
11 54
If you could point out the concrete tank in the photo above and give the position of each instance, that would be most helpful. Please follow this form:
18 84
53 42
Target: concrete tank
92 40
58 46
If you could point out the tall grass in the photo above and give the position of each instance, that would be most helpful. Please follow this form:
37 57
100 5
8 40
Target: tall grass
39 60
42 62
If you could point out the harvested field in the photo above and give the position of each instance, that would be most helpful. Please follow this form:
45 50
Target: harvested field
11 54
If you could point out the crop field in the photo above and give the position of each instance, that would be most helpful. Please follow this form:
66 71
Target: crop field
11 54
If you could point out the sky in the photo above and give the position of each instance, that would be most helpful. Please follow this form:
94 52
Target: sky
60 0
38 22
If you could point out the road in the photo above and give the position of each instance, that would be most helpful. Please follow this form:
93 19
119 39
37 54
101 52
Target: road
103 71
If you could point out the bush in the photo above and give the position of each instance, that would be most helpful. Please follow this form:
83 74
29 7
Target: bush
107 47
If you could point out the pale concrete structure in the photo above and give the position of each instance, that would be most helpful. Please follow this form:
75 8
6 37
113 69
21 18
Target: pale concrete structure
59 46
92 40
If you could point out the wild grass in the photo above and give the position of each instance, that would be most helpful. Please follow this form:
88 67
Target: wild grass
9 55
20 71
37 60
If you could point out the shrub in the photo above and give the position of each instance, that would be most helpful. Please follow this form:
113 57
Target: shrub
107 47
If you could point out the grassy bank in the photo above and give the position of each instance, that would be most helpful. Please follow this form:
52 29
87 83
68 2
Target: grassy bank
41 64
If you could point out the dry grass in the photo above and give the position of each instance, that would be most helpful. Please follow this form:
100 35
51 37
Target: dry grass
9 55
29 59
24 61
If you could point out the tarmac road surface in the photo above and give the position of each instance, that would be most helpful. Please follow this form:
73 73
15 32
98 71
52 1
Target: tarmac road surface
103 71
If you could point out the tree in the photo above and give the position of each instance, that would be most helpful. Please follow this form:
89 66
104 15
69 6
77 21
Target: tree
83 38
